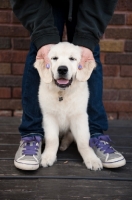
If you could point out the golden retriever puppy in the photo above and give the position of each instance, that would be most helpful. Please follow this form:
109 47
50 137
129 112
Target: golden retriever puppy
63 97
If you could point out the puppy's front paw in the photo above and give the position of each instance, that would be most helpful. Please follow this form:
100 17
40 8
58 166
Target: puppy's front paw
48 159
93 163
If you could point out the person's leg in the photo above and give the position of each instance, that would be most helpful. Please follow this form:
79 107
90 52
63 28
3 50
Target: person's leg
28 155
97 115
96 112
32 118
98 120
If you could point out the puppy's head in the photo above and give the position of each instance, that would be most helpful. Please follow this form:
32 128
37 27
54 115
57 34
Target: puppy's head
64 58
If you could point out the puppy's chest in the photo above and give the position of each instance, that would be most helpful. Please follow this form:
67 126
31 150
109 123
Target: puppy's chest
63 102
59 105
61 110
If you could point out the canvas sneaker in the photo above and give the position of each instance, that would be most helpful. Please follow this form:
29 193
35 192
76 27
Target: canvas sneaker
108 155
28 155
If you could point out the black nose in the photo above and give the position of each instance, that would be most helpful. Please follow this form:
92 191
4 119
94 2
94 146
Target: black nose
62 70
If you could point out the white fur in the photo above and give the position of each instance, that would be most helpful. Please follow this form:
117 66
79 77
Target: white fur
67 117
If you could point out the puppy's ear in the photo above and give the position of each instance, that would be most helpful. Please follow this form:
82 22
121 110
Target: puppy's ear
85 73
44 73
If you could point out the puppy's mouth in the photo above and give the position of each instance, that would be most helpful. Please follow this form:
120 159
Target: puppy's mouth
63 83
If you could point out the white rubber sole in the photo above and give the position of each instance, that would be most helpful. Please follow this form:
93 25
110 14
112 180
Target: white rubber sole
24 166
117 164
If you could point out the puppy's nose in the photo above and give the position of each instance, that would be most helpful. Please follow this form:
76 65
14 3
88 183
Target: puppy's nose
62 70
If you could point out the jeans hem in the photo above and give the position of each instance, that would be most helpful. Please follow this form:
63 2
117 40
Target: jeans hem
32 134
97 134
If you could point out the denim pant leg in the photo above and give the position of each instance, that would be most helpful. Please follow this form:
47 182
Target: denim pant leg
97 115
32 118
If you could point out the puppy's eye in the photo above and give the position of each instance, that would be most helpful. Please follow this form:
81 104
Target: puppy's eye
54 58
72 59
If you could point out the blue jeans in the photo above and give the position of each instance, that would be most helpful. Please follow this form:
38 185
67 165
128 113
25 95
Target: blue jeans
32 117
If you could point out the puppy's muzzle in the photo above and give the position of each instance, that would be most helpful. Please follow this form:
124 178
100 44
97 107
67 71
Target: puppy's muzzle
62 81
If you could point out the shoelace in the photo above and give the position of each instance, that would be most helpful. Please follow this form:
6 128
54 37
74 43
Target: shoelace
102 142
31 145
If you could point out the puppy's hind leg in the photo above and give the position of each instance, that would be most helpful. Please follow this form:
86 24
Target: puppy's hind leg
51 141
66 141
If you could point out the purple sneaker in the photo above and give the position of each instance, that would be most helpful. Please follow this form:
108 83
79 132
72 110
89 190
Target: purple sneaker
28 155
108 155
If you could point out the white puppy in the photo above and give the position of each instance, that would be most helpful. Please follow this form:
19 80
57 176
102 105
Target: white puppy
63 98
